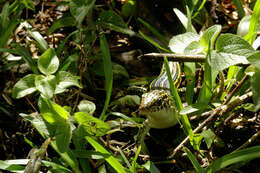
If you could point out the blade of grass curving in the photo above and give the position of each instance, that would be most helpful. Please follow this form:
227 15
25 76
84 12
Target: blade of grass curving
199 9
108 72
153 30
124 157
62 44
183 19
250 37
43 45
239 156
240 8
25 55
194 161
184 118
133 167
110 159
153 42
190 70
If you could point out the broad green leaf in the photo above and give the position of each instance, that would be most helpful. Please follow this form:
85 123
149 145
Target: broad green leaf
254 59
235 157
255 80
57 116
194 161
47 106
46 85
42 128
63 135
108 72
24 86
64 80
119 71
48 62
194 48
230 43
110 19
79 9
220 61
254 22
91 125
178 43
87 106
64 21
230 50
208 136
111 160
210 35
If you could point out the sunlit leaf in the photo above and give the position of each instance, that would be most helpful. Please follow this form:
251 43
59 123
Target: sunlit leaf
254 59
24 86
178 43
87 106
57 116
48 62
91 125
65 80
210 35
230 50
46 85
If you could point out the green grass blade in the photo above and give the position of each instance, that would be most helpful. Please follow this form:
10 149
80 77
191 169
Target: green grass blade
153 42
194 161
108 72
239 156
133 167
240 8
199 9
153 30
110 159
250 37
183 19
190 70
25 55
176 97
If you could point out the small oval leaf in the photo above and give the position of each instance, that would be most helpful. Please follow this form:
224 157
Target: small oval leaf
24 86
48 62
